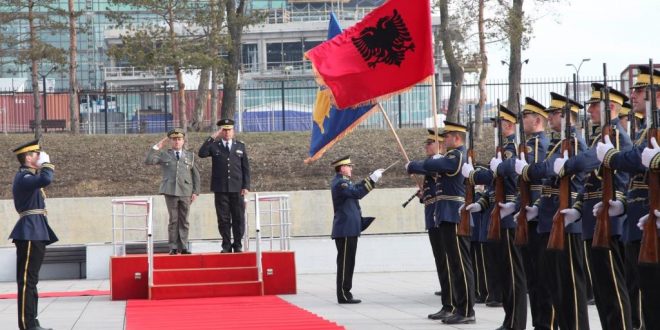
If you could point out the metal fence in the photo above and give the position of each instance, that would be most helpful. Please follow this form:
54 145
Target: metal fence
262 106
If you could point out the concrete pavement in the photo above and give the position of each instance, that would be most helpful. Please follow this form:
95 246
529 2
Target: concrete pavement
391 300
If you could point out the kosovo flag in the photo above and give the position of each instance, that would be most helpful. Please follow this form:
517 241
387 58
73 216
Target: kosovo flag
332 124
386 53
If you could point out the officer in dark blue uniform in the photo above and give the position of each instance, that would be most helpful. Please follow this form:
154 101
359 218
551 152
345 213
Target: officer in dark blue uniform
637 206
348 222
561 272
479 260
428 198
450 196
606 264
230 182
32 232
534 122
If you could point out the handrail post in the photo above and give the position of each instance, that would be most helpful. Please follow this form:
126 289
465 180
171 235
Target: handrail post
257 227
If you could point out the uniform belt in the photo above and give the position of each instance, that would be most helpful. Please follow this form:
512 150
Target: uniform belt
451 198
33 212
593 195
636 185
536 187
430 201
550 191
510 198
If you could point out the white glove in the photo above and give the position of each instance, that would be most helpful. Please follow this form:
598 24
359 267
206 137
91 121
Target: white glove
616 208
559 163
532 212
437 156
570 215
495 162
376 175
649 153
474 207
642 221
603 148
520 164
43 158
507 208
467 168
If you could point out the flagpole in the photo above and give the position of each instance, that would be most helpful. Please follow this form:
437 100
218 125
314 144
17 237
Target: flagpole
434 109
398 141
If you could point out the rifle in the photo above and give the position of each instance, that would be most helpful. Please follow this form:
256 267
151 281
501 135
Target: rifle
522 231
632 129
556 239
648 252
602 230
495 218
464 224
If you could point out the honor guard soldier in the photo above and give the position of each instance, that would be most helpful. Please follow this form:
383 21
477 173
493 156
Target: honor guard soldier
561 272
230 182
638 276
180 185
477 248
534 122
450 195
481 209
428 198
511 272
348 222
31 233
605 263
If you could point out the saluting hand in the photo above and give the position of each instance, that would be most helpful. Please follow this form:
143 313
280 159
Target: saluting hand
216 134
161 143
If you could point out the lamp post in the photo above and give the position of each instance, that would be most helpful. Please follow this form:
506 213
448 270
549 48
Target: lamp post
45 94
577 76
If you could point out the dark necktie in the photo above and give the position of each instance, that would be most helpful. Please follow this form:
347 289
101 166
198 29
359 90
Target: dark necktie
177 155
227 146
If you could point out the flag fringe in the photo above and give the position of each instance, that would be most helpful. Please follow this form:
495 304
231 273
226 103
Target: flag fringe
339 136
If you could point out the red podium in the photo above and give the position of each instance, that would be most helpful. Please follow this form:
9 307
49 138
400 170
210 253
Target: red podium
202 275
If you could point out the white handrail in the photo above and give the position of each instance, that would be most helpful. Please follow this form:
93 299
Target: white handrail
257 225
119 245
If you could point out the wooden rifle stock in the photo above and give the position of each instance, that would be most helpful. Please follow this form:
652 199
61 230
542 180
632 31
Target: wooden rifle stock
464 224
649 249
602 230
495 218
556 239
522 231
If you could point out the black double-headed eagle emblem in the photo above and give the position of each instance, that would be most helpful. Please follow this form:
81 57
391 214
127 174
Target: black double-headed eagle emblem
387 42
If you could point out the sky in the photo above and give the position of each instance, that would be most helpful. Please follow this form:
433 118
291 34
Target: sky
616 32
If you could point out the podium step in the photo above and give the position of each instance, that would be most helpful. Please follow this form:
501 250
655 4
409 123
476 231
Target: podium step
205 260
205 275
206 290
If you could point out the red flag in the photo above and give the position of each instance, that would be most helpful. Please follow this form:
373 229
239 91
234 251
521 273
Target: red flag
387 52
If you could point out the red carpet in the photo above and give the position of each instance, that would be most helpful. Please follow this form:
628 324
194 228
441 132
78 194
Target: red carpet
56 294
264 312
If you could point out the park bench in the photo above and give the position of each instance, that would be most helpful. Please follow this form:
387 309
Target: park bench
67 254
49 123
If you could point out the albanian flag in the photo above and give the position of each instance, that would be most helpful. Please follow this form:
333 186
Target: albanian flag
387 52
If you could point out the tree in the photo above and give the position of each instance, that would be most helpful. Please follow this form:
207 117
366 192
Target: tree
167 42
73 55
516 27
483 73
31 49
455 69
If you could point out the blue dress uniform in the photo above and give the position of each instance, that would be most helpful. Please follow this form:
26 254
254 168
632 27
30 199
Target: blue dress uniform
347 225
450 196
561 273
606 264
637 205
641 279
478 256
31 233
492 267
512 273
536 149
230 174
428 198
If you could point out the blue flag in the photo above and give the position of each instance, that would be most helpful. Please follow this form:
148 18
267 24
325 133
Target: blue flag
332 124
